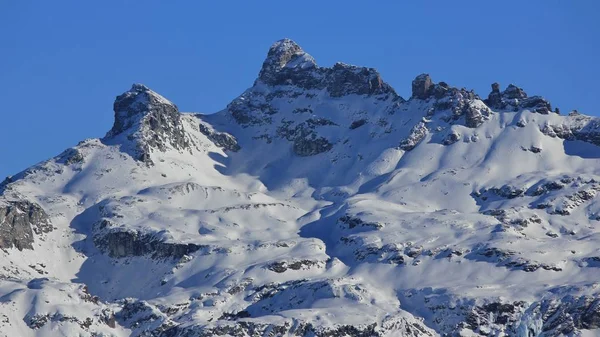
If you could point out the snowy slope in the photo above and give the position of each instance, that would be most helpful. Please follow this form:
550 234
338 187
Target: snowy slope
317 203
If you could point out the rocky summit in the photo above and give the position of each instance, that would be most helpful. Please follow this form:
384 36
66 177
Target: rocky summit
317 203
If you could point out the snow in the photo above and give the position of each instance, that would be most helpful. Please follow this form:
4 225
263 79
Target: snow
417 253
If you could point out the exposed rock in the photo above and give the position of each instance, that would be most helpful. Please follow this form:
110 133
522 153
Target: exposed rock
515 98
147 318
460 102
494 317
494 99
397 326
37 321
71 156
346 79
506 191
509 259
220 139
561 131
495 87
566 315
514 92
288 64
58 319
589 133
473 116
284 54
565 205
543 188
358 123
452 138
307 146
537 104
304 135
251 109
282 266
575 127
19 221
417 134
389 253
352 222
149 120
121 243
421 86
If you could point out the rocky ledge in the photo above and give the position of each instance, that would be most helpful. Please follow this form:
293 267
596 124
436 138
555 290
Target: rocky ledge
121 243
19 221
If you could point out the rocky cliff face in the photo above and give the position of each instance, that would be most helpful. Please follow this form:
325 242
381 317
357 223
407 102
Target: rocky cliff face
149 120
317 203
20 220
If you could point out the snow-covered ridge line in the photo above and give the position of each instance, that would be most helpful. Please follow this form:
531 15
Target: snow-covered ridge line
317 203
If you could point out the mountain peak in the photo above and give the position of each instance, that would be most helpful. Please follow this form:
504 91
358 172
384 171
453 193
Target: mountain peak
138 102
281 209
287 64
284 53
515 98
149 119
139 87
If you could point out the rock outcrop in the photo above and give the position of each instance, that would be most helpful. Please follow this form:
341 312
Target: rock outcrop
119 243
563 316
288 65
460 102
221 139
148 120
421 86
514 98
19 221
417 134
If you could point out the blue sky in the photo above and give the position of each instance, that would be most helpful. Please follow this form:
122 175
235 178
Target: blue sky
63 62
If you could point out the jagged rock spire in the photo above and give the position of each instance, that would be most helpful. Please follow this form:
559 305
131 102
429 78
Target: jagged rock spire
149 120
138 102
421 86
515 98
288 64
284 53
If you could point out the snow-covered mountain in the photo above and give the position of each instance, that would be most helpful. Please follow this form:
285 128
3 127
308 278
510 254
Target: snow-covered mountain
317 203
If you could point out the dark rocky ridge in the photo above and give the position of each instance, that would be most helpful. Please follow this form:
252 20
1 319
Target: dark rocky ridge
288 64
461 102
515 98
154 123
287 71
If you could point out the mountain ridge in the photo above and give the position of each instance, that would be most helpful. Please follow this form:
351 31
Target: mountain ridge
317 203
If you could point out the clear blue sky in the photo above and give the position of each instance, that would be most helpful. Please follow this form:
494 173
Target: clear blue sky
63 62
